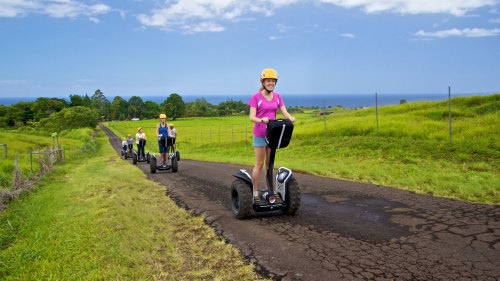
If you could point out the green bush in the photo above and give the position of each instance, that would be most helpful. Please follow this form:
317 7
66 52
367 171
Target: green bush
71 118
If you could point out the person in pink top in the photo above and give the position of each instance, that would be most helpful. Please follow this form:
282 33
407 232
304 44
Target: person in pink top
263 107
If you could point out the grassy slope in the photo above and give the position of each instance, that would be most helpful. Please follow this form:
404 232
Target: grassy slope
413 150
101 219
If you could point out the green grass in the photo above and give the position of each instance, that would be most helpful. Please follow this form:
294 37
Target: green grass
412 152
101 219
21 143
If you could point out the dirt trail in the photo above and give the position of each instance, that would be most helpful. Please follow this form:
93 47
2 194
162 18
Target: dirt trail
345 230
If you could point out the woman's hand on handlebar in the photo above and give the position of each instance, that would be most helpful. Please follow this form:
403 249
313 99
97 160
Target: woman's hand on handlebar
292 119
265 120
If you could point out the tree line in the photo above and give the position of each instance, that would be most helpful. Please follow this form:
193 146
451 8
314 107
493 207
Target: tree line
84 111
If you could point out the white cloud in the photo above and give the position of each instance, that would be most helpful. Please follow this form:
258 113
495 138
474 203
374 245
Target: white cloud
190 13
467 32
182 14
348 35
273 37
283 28
52 8
453 7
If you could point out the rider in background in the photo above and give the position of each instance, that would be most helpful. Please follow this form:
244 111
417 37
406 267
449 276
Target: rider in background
162 129
174 136
263 106
124 145
130 142
140 140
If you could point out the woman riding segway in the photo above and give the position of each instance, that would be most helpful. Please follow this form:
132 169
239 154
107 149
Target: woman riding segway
140 139
162 130
263 106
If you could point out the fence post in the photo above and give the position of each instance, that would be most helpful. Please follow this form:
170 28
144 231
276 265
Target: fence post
376 110
324 120
31 160
449 109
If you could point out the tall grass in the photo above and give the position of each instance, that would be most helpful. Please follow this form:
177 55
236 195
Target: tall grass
413 150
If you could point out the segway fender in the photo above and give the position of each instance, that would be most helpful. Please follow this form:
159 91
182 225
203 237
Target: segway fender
243 174
283 177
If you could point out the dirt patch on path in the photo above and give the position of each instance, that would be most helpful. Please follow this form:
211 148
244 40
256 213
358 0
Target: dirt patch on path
345 230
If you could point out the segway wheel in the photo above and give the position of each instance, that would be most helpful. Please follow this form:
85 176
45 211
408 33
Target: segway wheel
177 155
125 156
134 158
241 199
152 165
292 198
148 158
175 165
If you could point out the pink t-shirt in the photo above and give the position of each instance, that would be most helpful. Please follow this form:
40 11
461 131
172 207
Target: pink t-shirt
264 108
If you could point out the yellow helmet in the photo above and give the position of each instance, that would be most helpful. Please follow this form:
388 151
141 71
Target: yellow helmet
129 135
140 128
163 116
268 73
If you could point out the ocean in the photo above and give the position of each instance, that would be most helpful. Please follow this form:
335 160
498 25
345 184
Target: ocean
307 100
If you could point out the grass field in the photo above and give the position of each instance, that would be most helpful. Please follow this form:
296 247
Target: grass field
101 219
412 151
21 143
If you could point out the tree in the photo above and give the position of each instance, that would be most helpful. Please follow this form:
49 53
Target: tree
174 106
135 107
403 101
119 108
151 109
101 103
44 107
71 118
86 101
231 107
75 100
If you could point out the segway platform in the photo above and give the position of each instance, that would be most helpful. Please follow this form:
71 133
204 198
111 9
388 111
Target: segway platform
286 196
171 164
135 158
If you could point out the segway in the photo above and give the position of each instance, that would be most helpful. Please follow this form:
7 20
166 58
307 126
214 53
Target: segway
129 153
166 143
135 157
286 197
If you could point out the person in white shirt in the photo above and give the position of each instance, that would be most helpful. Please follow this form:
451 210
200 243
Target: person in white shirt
174 136
140 140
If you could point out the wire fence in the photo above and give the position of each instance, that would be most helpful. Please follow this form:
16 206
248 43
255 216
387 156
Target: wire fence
241 132
20 171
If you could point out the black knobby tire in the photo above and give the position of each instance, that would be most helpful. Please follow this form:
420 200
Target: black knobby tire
152 165
134 158
177 155
241 199
292 198
148 158
175 165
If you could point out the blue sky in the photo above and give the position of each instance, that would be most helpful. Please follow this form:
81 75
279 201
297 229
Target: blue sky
200 47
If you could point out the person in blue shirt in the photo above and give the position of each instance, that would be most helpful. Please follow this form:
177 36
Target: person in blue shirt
162 129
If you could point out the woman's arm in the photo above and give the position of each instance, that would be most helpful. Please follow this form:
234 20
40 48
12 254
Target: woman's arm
254 118
157 130
286 114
